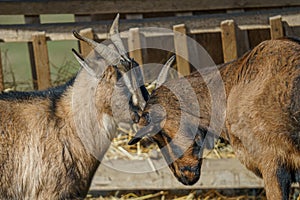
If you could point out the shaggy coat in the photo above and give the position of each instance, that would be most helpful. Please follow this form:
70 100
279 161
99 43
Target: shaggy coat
262 121
42 152
52 141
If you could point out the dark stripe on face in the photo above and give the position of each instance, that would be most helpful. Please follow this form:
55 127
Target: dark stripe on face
164 134
189 168
297 176
165 141
162 139
175 150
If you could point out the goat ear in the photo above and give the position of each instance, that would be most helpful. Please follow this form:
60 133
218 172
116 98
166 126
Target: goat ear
134 140
162 77
150 129
83 63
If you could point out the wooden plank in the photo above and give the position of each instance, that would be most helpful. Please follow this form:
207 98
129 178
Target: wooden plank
33 7
83 18
41 60
85 49
1 74
241 35
135 45
32 64
257 36
181 14
139 175
181 50
215 50
276 27
195 24
134 16
243 41
229 42
32 19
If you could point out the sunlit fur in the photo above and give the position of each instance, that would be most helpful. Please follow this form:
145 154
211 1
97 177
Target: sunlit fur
262 120
41 153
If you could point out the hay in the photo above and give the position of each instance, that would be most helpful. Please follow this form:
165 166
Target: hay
181 195
145 149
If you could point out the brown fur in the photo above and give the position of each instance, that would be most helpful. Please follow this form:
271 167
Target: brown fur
42 156
262 120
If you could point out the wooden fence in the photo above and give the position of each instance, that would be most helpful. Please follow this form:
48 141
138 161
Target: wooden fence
227 34
226 29
140 175
92 7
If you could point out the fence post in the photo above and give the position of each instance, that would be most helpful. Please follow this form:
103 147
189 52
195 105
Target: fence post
41 60
229 42
276 27
1 74
85 49
135 45
181 49
32 19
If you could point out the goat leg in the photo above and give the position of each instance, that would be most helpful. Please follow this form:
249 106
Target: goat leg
277 182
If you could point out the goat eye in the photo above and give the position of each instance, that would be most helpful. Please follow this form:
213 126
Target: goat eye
198 141
135 117
126 64
147 117
133 63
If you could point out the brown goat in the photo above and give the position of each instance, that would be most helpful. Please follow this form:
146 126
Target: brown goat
262 120
52 141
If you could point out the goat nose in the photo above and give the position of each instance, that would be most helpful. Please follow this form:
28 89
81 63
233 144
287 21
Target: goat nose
189 175
189 168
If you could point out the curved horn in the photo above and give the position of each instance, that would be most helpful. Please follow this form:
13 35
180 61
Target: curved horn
110 55
139 87
82 62
137 76
116 39
162 77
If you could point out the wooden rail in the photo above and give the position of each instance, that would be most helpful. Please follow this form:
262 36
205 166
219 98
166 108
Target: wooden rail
33 7
253 20
229 27
215 173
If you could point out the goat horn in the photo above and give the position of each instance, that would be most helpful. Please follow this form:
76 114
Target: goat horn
142 93
82 62
110 55
162 77
116 39
137 74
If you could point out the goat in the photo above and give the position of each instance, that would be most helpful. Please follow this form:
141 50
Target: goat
52 141
261 121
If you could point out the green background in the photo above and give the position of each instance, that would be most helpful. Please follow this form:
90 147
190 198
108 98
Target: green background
16 62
